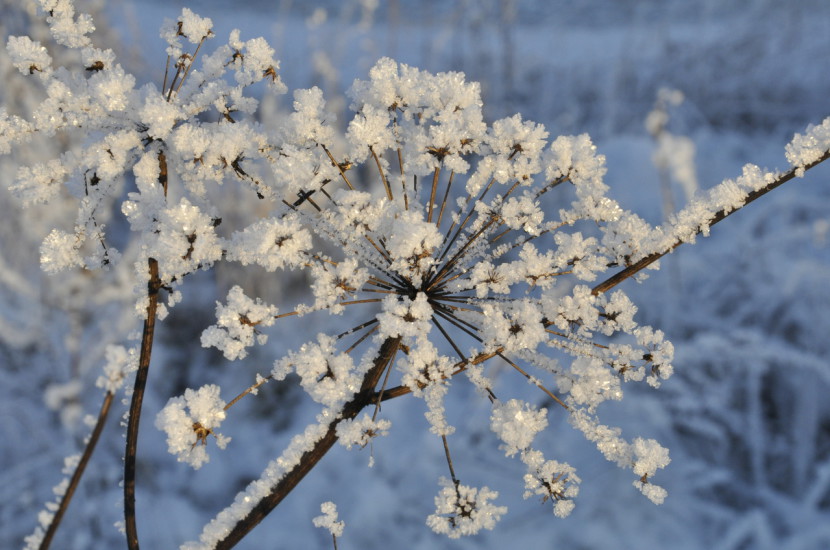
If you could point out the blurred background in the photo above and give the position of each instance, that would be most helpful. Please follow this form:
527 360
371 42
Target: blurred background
678 94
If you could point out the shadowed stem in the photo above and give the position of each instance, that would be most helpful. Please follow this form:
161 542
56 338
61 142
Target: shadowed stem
79 471
310 458
153 287
636 267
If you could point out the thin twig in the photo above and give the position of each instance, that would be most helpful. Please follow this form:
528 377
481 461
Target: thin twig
382 175
435 176
79 471
446 196
247 391
338 166
449 460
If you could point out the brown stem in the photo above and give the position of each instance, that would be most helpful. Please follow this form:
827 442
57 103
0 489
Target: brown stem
153 287
311 457
435 175
79 471
636 267
382 174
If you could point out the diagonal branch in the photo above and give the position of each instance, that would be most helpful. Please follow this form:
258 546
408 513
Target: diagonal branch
310 458
79 471
636 267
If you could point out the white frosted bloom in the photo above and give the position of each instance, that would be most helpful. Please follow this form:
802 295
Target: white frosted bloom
332 284
516 423
411 242
195 27
159 115
272 243
185 241
513 327
67 28
111 89
404 317
593 383
236 324
649 456
654 493
329 519
189 420
28 56
40 182
461 510
310 123
326 374
59 252
550 480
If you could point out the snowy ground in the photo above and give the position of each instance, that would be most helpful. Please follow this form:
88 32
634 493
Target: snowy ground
745 417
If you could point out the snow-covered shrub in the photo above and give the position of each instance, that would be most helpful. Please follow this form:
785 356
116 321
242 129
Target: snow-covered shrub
434 244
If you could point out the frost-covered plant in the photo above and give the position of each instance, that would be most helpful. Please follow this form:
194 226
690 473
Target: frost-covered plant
447 243
328 520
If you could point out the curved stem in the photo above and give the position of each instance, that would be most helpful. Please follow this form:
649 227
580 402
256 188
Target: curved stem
79 471
153 287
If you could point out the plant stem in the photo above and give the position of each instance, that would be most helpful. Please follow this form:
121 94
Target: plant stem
636 267
310 458
153 287
79 471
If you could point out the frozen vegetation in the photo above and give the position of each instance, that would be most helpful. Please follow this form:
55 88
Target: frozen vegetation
358 301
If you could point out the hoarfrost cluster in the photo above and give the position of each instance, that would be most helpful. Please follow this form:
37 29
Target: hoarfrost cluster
189 420
456 244
329 519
